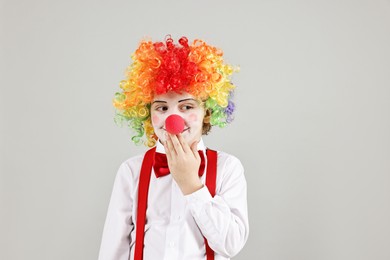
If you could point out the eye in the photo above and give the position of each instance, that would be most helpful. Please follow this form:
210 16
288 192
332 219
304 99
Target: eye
187 107
161 108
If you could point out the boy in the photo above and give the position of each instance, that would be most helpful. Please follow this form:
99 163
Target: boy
179 200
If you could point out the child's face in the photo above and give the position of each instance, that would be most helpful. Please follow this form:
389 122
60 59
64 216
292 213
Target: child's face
184 105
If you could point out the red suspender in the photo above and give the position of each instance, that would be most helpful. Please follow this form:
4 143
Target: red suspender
143 189
211 179
211 174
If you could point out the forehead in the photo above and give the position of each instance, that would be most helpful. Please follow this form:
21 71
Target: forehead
173 96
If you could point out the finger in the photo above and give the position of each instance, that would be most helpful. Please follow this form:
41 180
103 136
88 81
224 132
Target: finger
194 149
169 148
176 144
184 145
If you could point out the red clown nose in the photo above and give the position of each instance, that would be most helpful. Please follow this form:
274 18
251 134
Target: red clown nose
174 124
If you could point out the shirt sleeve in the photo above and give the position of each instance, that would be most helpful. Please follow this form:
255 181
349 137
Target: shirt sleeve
115 244
223 219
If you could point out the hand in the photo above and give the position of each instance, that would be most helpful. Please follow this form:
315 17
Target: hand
183 162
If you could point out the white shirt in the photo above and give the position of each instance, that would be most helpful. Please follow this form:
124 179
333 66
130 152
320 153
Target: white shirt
176 224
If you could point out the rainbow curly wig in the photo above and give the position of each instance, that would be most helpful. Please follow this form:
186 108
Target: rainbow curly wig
159 67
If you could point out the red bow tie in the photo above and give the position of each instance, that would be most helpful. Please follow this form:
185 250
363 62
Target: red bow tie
161 164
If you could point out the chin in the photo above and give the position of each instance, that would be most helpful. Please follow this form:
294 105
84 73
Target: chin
190 139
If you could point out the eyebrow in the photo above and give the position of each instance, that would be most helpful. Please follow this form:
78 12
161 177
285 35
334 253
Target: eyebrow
187 100
182 100
159 101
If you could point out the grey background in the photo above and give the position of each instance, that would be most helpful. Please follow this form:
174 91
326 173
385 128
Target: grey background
312 123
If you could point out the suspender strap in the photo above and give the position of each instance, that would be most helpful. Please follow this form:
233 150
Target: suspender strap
211 179
143 189
211 174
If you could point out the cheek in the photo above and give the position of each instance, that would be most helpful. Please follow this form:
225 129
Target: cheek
155 120
193 117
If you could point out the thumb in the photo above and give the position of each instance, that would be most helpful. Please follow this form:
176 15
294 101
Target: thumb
194 148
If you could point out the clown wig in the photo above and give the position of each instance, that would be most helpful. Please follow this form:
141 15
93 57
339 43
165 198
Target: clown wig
159 67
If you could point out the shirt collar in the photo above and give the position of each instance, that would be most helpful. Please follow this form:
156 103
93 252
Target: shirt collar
160 148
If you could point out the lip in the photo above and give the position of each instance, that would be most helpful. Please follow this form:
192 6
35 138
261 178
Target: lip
181 132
